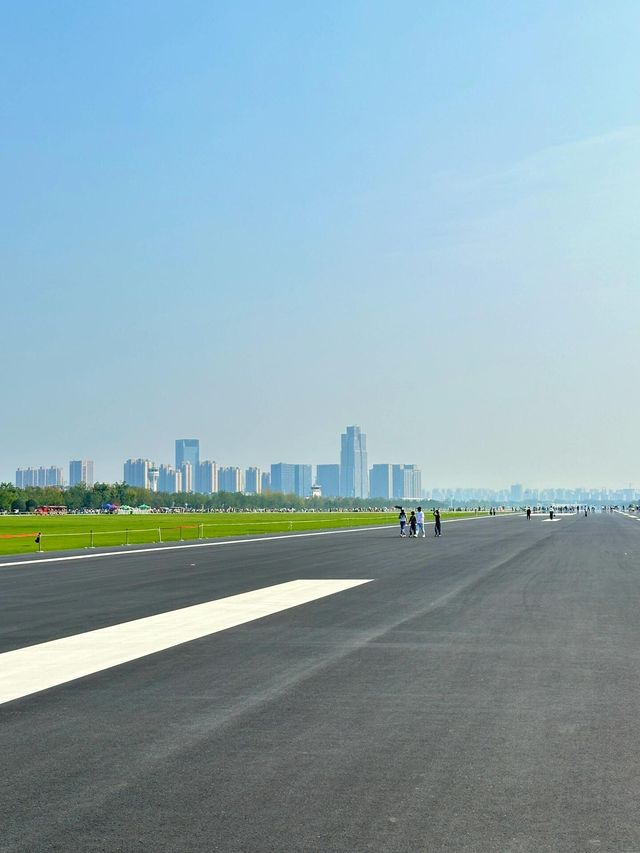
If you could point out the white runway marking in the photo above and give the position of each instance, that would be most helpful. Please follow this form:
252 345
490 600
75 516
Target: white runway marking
35 668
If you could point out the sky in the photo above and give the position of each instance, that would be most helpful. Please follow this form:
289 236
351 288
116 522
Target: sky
258 223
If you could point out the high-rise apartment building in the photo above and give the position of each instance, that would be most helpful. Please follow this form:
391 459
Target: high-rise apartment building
186 469
265 480
354 472
407 482
169 480
54 476
381 481
26 477
328 478
42 477
81 471
253 481
230 479
136 473
187 450
207 478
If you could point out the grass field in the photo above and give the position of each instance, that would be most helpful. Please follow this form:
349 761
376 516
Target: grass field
76 532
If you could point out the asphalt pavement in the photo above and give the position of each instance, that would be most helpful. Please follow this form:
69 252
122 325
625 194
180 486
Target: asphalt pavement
480 693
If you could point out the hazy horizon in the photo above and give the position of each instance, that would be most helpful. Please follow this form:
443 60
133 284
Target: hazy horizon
256 224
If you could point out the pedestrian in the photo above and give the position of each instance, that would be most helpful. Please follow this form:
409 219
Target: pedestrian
438 527
420 522
413 524
528 513
403 522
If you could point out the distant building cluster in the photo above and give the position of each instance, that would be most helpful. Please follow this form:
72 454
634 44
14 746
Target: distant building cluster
519 495
80 471
350 478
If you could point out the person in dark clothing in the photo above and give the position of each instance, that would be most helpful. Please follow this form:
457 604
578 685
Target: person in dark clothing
413 524
438 527
528 513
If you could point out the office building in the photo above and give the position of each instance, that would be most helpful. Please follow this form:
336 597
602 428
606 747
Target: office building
207 479
136 473
188 450
302 481
354 472
283 478
381 481
230 479
265 480
291 479
253 481
81 471
328 478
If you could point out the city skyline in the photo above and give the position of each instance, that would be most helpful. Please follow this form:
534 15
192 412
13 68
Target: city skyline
434 234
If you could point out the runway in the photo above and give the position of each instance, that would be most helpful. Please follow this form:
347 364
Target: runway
476 692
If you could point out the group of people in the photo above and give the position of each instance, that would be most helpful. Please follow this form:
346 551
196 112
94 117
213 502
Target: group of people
416 523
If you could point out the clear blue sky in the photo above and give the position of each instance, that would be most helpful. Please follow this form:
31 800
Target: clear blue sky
256 223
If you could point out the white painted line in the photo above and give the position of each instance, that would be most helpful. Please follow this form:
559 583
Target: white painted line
125 552
29 670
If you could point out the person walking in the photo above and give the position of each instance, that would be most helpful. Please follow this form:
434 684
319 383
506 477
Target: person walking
528 513
420 522
413 525
403 522
438 527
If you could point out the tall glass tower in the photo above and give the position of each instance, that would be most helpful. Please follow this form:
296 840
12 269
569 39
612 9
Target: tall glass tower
354 471
188 450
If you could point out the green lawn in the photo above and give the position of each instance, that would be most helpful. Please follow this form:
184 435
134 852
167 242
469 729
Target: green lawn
76 532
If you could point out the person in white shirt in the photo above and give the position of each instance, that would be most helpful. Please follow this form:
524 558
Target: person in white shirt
420 522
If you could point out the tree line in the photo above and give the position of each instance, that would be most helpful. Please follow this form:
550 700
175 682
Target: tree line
81 497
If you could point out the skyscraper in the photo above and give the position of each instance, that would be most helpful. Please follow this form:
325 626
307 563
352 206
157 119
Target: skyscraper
291 479
81 471
354 472
188 450
302 480
381 481
328 478
283 478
